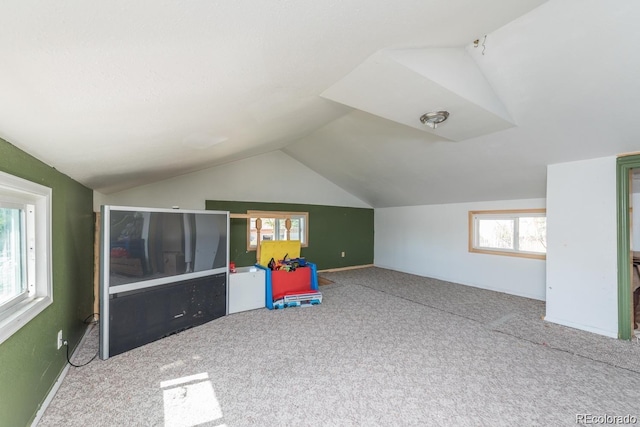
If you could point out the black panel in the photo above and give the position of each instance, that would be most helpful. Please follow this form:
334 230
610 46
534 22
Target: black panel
140 317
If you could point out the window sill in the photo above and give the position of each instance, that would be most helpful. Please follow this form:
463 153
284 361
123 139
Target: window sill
20 315
506 253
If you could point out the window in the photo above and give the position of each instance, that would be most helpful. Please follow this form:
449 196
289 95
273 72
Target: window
25 236
274 227
520 233
13 253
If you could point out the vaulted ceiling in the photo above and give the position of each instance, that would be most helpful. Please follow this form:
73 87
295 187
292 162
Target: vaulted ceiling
118 94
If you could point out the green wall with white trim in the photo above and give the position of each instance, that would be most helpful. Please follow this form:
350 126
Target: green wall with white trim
30 362
332 230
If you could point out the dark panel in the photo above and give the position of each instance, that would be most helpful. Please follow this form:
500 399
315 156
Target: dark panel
147 245
140 317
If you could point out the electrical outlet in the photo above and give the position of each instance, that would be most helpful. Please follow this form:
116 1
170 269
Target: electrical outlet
342 254
59 339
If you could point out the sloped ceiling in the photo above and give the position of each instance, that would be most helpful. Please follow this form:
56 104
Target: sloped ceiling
565 72
118 94
401 85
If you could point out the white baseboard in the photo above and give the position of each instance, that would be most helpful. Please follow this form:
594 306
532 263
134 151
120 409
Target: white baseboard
581 327
58 383
464 283
353 267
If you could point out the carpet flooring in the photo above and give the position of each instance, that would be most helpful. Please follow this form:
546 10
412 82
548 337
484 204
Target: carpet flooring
383 349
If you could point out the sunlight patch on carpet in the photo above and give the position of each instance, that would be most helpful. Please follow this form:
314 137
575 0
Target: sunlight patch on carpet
190 401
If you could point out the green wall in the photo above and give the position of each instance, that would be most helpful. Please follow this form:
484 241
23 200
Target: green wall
30 363
332 230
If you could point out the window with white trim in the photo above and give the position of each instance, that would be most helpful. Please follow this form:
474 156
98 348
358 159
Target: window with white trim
274 227
25 252
521 232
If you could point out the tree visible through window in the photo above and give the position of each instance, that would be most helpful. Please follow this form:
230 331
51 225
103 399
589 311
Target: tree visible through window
274 227
509 232
12 255
25 252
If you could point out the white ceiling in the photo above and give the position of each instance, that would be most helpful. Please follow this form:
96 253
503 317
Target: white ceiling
118 94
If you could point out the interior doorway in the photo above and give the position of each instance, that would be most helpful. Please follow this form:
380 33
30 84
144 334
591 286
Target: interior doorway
634 223
625 167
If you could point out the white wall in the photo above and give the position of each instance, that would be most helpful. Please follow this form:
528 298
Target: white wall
271 177
433 241
581 245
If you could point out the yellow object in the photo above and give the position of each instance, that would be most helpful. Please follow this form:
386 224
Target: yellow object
277 249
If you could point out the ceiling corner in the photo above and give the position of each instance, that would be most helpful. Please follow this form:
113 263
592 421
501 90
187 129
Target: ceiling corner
403 84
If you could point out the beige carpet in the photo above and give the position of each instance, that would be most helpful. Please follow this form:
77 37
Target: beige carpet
323 280
383 349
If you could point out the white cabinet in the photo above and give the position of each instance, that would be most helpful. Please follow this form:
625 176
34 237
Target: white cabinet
246 289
